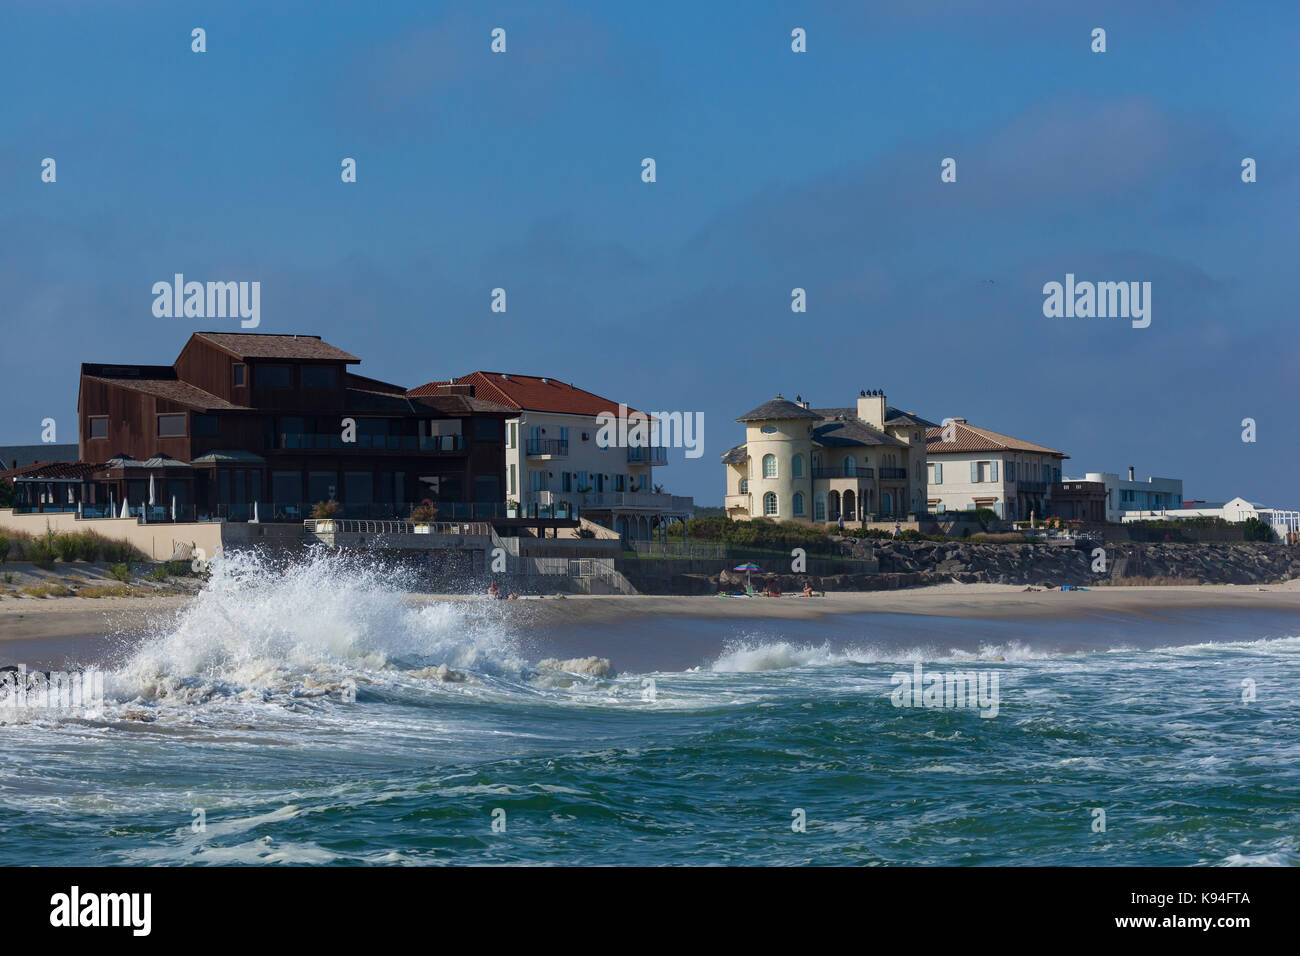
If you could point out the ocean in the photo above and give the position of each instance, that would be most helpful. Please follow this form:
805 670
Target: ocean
314 717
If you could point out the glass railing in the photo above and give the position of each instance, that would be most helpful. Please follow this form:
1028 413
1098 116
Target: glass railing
654 455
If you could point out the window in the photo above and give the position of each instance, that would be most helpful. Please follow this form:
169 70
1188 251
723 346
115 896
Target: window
320 376
487 428
322 486
487 488
769 466
744 486
205 426
819 507
512 480
514 440
768 429
620 482
274 376
536 480
240 374
798 502
99 427
850 468
938 473
171 426
286 487
566 480
796 468
769 503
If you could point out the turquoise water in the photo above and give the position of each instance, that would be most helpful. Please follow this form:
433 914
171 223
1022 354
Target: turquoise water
240 709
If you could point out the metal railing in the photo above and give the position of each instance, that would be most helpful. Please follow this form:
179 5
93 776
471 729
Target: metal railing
843 473
893 472
653 455
555 447
438 444
347 526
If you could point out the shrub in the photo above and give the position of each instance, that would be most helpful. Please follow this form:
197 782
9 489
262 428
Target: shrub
106 591
88 546
47 589
122 572
326 509
41 551
118 552
158 573
4 548
66 546
1255 530
424 512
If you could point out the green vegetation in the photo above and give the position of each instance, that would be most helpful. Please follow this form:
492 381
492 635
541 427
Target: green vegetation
107 591
41 551
759 533
4 548
47 589
6 494
1255 530
121 572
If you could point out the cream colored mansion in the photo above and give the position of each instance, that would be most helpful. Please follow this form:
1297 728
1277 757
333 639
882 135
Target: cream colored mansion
866 462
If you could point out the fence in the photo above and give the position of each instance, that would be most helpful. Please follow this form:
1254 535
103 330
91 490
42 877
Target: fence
366 526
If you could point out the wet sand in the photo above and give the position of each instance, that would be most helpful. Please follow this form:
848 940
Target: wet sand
66 618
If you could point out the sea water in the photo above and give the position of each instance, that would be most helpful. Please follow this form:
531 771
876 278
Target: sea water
314 716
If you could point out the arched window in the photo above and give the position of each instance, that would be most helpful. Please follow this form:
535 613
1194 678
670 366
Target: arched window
769 466
819 507
769 503
796 468
798 503
835 505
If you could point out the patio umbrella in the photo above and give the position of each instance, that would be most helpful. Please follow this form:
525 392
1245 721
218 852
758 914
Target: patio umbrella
173 507
255 520
748 569
125 506
152 493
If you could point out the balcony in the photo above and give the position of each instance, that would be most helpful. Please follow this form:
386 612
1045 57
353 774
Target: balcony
333 441
1031 487
611 500
895 473
547 448
843 473
655 455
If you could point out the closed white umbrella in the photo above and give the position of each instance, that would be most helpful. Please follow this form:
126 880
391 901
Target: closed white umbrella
173 507
152 493
125 505
255 519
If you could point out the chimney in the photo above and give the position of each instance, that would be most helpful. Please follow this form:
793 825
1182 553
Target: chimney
871 407
800 402
1130 473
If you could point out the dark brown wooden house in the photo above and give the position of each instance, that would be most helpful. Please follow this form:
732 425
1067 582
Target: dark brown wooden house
244 423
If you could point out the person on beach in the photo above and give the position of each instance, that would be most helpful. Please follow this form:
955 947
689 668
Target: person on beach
898 530
494 591
807 589
841 524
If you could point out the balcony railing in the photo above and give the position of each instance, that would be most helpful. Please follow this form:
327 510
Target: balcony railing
652 455
842 472
605 500
893 472
333 441
1031 487
553 447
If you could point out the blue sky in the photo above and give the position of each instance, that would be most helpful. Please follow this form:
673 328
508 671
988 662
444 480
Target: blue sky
775 170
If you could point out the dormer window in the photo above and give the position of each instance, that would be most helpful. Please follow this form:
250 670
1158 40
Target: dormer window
240 374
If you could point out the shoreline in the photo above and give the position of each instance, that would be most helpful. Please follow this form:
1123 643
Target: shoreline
71 617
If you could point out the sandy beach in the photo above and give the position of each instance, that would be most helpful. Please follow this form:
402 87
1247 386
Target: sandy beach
62 618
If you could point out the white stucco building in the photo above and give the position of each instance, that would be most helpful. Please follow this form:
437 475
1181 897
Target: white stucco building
1125 495
864 462
1237 510
972 467
554 463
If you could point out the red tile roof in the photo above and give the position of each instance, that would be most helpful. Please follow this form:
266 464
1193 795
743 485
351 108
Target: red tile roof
971 438
527 393
258 345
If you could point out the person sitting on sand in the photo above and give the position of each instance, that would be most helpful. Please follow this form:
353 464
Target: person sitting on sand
773 589
514 596
807 589
494 591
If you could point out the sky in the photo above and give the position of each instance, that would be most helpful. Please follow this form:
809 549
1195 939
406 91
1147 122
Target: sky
775 170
